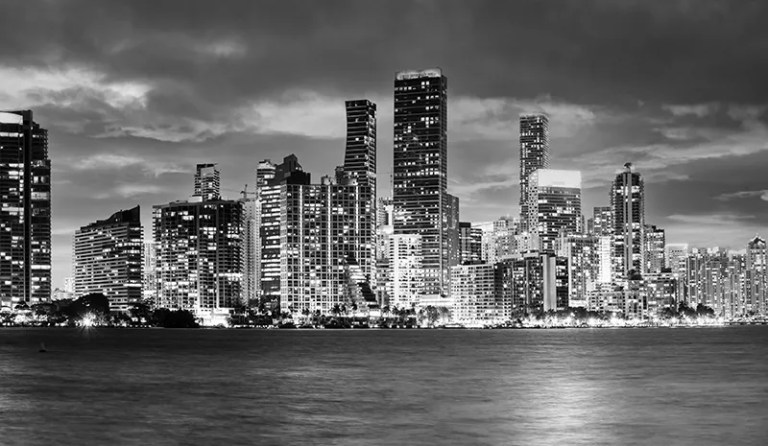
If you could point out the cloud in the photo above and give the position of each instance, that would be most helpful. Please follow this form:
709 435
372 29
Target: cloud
130 191
763 194
498 118
714 219
699 110
109 161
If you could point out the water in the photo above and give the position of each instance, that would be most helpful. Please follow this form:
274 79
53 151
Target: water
384 387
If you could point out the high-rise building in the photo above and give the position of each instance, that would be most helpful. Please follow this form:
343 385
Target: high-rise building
757 275
265 173
405 259
250 261
360 154
475 291
199 251
272 183
207 182
583 254
108 259
655 241
628 205
327 241
534 282
554 205
150 283
421 170
25 210
470 243
534 155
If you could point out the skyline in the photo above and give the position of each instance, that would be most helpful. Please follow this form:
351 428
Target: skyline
128 129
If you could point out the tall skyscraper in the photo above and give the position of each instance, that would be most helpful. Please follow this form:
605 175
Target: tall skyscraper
272 181
628 205
534 155
250 285
108 259
421 170
360 154
757 275
554 205
25 210
199 251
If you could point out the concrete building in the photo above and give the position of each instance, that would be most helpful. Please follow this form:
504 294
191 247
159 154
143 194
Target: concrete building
476 296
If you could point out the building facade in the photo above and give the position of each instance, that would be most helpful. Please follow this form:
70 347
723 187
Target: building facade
534 155
421 170
554 205
108 259
628 206
199 251
25 212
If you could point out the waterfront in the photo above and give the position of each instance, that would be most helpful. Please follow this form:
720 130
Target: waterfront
607 386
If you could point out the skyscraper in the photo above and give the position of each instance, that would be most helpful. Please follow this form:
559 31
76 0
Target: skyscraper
199 250
757 275
421 170
602 221
554 205
272 181
108 259
25 210
628 205
534 155
360 154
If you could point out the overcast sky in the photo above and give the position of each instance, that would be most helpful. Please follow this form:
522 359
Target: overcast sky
135 93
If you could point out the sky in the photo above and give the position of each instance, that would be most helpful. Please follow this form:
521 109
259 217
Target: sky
135 93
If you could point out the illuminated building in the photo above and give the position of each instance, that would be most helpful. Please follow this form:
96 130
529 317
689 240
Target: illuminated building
628 204
757 282
405 260
327 247
534 155
250 284
272 196
735 288
108 259
421 204
318 241
150 283
602 221
655 242
583 255
199 249
476 296
554 205
265 173
534 282
470 243
25 211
